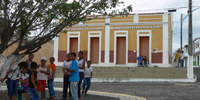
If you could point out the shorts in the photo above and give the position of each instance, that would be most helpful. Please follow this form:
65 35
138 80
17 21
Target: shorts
43 82
12 87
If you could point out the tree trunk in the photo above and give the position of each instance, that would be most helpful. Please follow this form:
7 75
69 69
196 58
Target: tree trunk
8 62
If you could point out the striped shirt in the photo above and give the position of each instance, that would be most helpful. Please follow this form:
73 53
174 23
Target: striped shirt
15 73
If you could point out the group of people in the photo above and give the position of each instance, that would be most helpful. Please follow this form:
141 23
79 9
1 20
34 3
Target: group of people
179 58
34 77
74 73
142 61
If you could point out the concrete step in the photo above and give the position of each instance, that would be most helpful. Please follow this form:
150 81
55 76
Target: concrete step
135 72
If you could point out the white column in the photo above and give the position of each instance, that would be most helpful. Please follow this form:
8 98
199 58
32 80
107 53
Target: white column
56 49
165 57
107 40
136 18
190 67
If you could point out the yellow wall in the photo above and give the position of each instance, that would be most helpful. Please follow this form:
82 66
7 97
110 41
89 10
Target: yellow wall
83 39
132 38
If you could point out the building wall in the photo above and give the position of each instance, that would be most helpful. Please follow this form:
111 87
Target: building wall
47 51
131 27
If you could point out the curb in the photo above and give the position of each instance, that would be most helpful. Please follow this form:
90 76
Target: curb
133 80
108 94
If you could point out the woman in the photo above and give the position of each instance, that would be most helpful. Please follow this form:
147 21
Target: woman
81 66
67 64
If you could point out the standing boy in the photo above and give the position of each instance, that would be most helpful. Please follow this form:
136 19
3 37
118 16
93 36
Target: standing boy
32 87
74 77
12 76
87 78
177 58
182 56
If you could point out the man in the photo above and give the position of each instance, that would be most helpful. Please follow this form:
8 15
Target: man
139 58
177 58
182 56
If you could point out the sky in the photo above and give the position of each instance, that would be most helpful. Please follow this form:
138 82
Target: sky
139 6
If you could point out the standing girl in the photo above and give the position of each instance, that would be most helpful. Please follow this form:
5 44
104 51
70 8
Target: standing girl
81 66
52 68
67 64
43 71
24 79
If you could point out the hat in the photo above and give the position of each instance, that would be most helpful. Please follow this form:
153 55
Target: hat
44 58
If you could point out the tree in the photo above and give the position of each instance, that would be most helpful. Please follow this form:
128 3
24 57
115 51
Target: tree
21 18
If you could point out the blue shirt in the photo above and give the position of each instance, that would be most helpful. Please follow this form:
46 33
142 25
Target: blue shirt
139 58
74 77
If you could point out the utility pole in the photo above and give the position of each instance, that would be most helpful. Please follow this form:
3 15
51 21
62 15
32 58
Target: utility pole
190 43
181 31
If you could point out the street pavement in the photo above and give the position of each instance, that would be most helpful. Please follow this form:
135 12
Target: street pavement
148 90
151 90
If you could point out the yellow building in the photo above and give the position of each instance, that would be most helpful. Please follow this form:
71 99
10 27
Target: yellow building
113 41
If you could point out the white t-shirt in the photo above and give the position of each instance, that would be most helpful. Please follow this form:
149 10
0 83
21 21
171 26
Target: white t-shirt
87 72
80 64
41 76
14 74
182 56
24 77
67 64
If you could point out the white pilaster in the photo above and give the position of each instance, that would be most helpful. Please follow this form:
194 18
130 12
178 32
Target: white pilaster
56 49
107 40
136 18
165 40
190 67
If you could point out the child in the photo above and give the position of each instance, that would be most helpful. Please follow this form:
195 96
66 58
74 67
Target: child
67 64
29 61
52 68
43 71
11 77
74 77
24 79
87 77
32 86
81 66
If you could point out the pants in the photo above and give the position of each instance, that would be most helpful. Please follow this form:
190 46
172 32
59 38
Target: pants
12 87
33 94
139 62
74 90
43 82
81 76
177 63
51 89
87 81
65 87
182 63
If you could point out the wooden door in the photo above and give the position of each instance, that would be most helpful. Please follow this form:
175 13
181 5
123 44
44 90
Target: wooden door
94 50
74 45
121 50
144 47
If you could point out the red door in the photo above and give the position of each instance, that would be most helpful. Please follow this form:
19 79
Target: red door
121 50
74 45
94 50
144 47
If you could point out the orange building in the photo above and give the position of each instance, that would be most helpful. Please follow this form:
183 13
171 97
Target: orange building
113 41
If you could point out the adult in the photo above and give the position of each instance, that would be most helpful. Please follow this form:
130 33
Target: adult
182 56
177 58
67 64
29 61
81 66
139 59
145 61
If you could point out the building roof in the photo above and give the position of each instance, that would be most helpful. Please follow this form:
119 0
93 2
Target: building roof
196 39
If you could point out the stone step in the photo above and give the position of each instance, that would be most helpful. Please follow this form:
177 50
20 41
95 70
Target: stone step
135 72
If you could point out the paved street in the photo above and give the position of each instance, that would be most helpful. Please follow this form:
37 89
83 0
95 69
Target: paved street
148 90
151 90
